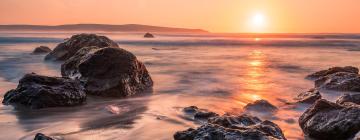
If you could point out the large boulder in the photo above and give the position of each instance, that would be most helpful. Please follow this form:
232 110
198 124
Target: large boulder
352 98
322 73
341 81
41 50
38 91
243 127
67 49
330 121
107 71
260 106
308 97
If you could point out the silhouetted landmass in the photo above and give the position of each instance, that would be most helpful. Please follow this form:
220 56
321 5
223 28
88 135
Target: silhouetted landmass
97 27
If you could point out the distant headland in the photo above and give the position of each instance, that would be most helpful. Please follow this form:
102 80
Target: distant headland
97 27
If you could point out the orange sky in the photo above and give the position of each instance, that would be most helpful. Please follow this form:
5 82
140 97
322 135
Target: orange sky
289 16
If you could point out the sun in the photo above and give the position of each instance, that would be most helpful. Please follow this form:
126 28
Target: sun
257 22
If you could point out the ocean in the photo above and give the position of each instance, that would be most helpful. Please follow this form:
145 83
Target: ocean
218 72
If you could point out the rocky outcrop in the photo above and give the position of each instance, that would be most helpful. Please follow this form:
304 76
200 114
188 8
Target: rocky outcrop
330 121
41 50
260 106
226 127
67 49
40 136
148 35
308 97
333 70
341 81
38 91
108 71
352 98
199 114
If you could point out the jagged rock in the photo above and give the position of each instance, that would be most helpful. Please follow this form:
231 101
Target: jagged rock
108 71
341 81
242 127
308 97
260 106
322 73
148 35
67 49
41 50
353 98
38 91
40 136
199 114
330 121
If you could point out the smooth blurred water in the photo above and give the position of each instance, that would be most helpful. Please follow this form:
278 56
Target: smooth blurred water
219 72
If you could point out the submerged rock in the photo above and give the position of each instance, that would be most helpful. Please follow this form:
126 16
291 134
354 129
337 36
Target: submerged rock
40 136
341 81
108 71
241 127
322 73
199 114
67 49
353 98
38 91
148 35
41 50
308 97
260 106
330 121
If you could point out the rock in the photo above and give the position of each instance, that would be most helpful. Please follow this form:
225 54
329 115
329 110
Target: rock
333 70
41 50
148 35
67 49
341 81
199 114
38 91
308 97
260 106
330 121
353 98
112 72
241 127
40 136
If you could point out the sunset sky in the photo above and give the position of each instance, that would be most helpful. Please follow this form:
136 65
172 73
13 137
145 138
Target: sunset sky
277 16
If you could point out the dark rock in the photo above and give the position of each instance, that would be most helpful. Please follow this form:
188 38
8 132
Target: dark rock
308 97
38 91
191 109
242 127
341 81
260 106
330 121
111 72
199 114
67 49
41 50
333 70
353 98
148 35
40 136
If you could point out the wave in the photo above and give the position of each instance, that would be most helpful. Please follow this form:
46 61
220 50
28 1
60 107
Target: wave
237 42
10 40
191 41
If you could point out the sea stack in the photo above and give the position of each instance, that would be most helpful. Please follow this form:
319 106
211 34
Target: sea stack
149 35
